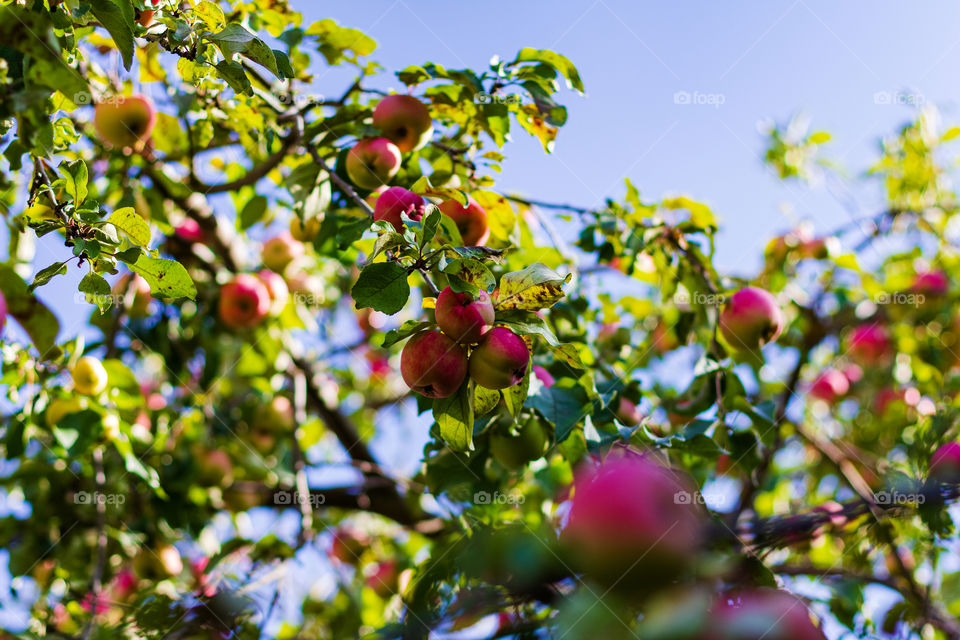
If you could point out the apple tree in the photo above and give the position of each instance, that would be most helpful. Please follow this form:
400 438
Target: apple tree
282 284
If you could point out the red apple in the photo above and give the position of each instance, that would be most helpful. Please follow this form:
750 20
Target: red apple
632 519
829 386
397 200
404 120
347 545
144 17
190 231
471 221
945 463
869 345
500 360
750 319
761 613
276 289
244 302
372 162
433 365
125 121
546 379
462 317
933 284
628 413
279 251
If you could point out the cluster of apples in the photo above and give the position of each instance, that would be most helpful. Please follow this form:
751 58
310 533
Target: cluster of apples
435 363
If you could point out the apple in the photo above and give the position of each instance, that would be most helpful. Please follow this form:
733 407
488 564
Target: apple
307 230
198 569
244 302
125 121
471 221
500 360
136 295
945 463
933 284
397 200
869 345
279 251
628 413
275 416
123 587
514 449
60 408
276 289
215 468
750 319
347 545
144 17
433 365
89 376
372 162
384 579
765 613
463 317
190 230
404 120
829 386
633 520
545 377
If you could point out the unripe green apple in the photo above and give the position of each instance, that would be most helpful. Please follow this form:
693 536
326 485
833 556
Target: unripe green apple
125 121
770 614
307 230
372 162
632 522
89 376
945 463
279 251
433 365
471 221
276 289
404 120
463 317
500 360
750 319
244 302
395 201
515 449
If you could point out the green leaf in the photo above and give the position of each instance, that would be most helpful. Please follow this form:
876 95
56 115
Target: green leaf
484 400
36 319
136 228
382 287
536 287
253 212
469 275
167 278
97 291
529 323
429 226
404 331
75 180
117 18
569 354
564 407
78 430
237 39
555 60
233 73
454 416
333 40
515 396
45 275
